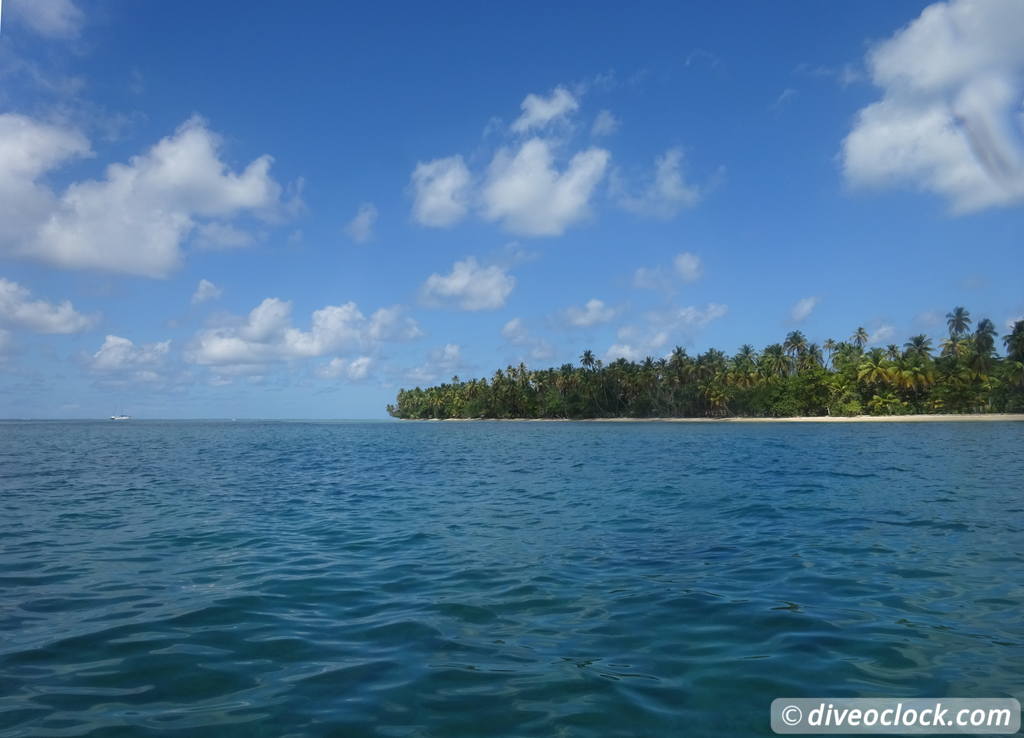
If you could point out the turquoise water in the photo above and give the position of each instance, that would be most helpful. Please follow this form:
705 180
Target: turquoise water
472 579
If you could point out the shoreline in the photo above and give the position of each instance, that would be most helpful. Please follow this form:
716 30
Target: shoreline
936 418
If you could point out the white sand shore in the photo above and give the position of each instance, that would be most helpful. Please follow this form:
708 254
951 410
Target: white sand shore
987 417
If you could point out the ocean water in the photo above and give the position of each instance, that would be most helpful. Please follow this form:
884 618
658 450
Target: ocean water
498 579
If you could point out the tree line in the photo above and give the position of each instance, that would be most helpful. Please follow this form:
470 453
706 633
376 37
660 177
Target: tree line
965 374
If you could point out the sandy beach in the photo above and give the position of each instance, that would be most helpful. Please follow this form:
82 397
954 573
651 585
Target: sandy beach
937 418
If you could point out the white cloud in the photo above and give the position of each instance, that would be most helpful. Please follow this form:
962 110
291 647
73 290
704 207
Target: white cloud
594 312
441 191
651 278
218 236
663 327
515 332
882 334
624 351
389 324
52 18
360 228
206 290
17 309
442 363
605 124
352 369
29 149
694 317
803 308
666 195
949 120
119 354
528 195
470 286
133 221
542 111
267 334
688 266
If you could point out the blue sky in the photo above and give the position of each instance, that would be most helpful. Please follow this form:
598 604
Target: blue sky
254 210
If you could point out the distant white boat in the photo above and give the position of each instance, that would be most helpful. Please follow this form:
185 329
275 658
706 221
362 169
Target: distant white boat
120 417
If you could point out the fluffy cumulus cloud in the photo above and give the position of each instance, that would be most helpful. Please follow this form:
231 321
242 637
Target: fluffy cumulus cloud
803 308
354 370
121 355
662 329
360 228
539 112
266 334
530 196
136 218
949 120
470 286
594 312
441 192
205 291
666 195
19 310
51 18
532 186
29 149
391 324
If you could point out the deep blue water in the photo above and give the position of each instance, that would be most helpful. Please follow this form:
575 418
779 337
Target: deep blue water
476 579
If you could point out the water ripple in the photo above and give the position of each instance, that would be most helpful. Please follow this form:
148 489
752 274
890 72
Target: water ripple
308 579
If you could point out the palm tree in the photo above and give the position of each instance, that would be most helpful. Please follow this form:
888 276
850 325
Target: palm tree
985 337
958 322
795 343
774 362
968 376
859 338
919 346
811 358
830 345
1014 342
874 369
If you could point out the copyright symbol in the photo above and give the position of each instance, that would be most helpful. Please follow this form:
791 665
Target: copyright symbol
791 715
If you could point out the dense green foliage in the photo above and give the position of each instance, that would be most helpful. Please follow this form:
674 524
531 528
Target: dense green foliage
788 379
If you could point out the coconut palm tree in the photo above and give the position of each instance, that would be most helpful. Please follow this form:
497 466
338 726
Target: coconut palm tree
874 369
985 337
958 321
859 338
795 343
1014 342
774 362
830 345
919 346
587 359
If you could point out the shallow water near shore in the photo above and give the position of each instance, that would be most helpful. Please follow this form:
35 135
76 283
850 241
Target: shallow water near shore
469 579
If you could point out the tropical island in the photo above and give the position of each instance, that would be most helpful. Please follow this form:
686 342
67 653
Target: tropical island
789 379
